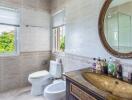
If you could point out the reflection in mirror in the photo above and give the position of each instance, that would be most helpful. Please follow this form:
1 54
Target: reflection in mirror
118 25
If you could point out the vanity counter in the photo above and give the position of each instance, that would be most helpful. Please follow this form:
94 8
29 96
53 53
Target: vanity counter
81 87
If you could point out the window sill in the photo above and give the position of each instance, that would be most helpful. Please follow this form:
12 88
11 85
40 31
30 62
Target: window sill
9 55
58 53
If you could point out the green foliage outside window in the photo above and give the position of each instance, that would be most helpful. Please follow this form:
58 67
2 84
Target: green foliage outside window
62 43
7 44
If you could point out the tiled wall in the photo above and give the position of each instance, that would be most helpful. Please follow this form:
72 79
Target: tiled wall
34 43
14 71
73 62
82 37
35 13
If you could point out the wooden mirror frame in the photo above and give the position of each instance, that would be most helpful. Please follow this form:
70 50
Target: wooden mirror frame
102 34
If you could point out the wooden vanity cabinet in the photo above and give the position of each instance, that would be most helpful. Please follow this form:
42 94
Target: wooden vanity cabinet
76 91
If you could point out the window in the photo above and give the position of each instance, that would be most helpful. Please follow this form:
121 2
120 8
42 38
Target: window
9 23
58 31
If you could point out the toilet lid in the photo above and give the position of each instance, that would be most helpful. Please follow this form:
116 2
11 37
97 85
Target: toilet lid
39 74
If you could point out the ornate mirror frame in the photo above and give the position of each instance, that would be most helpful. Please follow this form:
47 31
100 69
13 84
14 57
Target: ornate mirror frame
102 34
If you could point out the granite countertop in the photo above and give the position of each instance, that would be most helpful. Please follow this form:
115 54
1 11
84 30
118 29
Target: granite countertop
77 77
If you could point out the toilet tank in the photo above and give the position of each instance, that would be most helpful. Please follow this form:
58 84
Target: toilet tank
55 69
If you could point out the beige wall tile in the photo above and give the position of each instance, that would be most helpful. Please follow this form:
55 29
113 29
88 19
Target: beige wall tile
14 71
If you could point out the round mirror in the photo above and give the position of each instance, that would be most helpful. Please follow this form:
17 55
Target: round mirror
115 27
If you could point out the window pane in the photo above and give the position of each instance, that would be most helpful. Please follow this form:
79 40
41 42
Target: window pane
62 39
59 38
7 39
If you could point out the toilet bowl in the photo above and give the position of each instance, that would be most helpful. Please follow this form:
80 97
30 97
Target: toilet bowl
39 81
56 91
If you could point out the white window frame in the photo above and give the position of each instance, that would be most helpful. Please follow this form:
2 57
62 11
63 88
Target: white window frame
54 49
17 46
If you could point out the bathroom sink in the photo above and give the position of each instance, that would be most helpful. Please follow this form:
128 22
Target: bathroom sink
108 84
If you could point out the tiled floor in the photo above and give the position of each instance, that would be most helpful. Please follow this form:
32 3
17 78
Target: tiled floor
19 94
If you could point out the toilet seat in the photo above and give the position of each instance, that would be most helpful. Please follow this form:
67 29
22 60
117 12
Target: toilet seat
39 74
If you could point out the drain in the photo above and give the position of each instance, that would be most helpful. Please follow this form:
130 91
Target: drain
116 82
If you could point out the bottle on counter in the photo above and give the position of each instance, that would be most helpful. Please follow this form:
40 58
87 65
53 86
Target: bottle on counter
119 72
111 67
98 66
130 77
94 63
104 66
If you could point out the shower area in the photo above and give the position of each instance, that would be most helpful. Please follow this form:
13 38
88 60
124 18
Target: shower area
118 31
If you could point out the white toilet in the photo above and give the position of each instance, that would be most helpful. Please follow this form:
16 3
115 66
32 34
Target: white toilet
39 81
42 82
